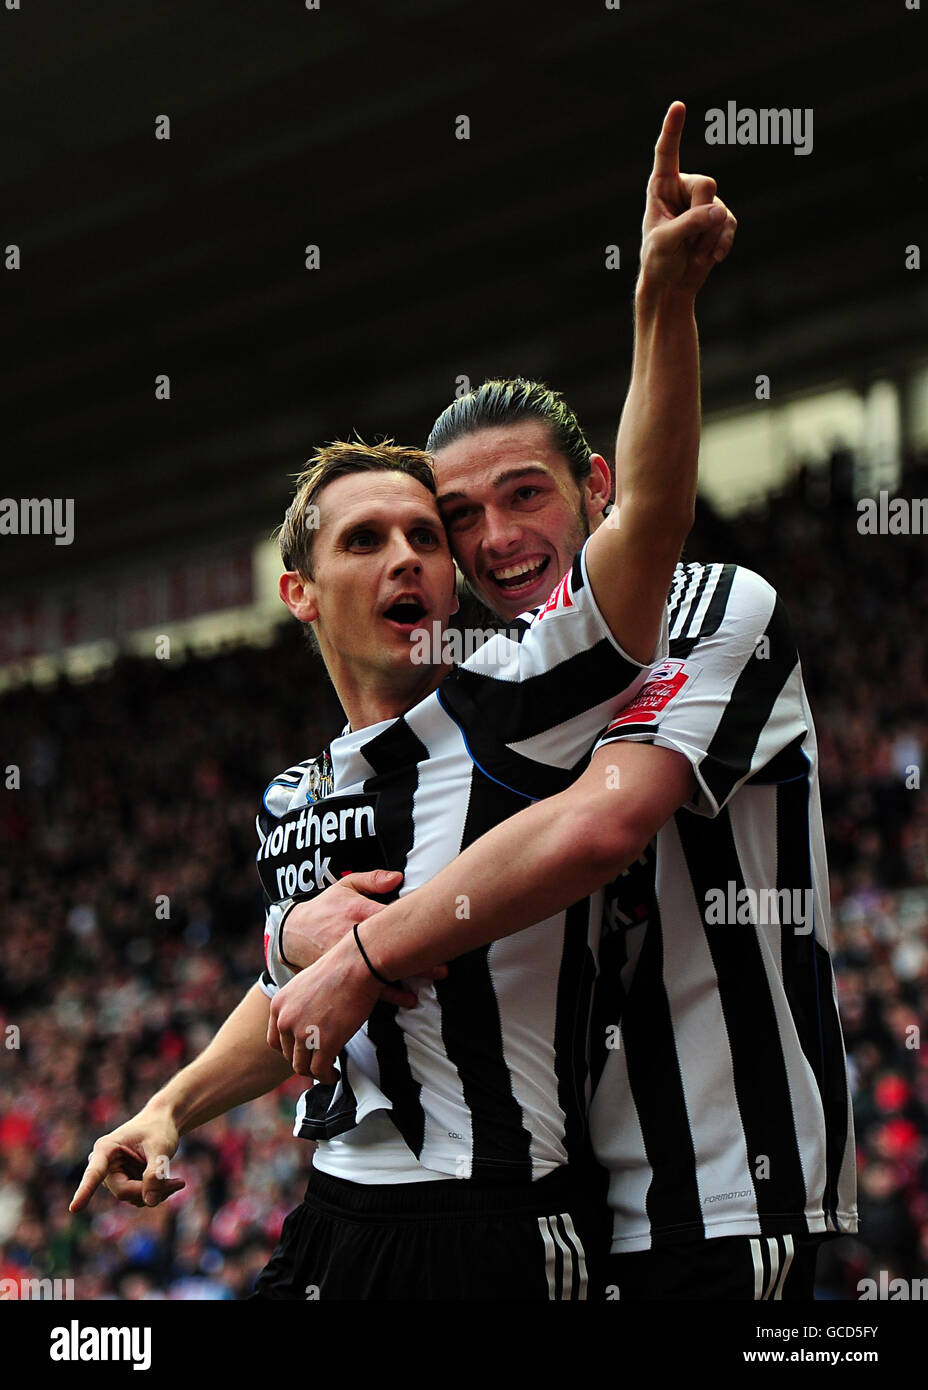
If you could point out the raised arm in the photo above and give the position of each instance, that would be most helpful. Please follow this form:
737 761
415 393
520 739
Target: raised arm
686 229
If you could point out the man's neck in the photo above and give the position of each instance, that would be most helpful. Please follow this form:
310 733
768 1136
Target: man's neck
371 702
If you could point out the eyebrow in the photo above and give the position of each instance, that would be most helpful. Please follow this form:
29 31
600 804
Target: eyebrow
500 480
373 523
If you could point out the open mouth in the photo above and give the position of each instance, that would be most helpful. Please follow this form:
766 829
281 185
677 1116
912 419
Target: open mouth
519 578
406 614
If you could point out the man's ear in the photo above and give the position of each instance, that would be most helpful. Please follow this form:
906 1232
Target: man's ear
597 488
459 586
299 595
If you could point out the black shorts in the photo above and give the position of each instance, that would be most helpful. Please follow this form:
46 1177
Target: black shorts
452 1239
729 1267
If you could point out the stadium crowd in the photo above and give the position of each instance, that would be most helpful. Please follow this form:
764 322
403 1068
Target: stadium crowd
132 916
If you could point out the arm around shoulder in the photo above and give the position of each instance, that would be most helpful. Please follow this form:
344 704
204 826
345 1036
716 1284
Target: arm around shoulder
627 793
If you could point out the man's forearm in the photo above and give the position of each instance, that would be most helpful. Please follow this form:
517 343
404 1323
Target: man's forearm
631 558
657 445
522 872
237 1066
536 863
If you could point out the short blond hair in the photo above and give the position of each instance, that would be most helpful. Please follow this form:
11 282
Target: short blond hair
298 530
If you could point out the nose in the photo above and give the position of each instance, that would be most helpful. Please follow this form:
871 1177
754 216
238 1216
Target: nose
502 530
404 558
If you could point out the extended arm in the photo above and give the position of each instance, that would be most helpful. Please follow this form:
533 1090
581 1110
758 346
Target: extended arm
630 565
237 1066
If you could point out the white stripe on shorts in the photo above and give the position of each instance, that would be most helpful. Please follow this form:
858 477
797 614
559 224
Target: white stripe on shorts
550 1258
774 1263
758 1270
788 1248
579 1252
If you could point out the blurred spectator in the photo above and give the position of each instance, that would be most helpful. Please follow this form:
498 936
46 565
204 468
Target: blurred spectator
133 924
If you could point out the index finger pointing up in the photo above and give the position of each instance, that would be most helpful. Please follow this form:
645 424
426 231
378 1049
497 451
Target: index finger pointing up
667 149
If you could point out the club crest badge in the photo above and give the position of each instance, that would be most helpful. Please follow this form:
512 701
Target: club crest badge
321 782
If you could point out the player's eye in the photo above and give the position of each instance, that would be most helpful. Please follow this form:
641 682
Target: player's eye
362 540
527 493
425 536
458 515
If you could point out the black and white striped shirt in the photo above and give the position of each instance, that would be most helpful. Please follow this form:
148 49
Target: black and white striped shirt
721 1103
489 1074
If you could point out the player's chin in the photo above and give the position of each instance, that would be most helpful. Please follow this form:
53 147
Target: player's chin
398 653
414 651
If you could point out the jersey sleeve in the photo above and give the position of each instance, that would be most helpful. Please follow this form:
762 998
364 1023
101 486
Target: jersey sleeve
275 973
277 800
731 702
542 699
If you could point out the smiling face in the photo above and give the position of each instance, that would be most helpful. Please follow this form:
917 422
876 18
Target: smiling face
514 513
381 568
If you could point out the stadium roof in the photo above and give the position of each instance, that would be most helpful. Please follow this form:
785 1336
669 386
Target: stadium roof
439 257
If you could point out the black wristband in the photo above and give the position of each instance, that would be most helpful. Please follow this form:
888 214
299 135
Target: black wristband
364 956
280 938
